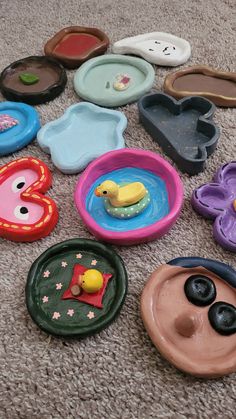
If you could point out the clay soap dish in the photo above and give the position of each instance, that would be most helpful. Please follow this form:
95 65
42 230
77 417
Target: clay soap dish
182 128
218 86
52 301
216 200
76 44
33 80
156 47
113 80
82 134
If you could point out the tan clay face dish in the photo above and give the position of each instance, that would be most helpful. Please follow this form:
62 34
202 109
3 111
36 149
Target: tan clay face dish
181 330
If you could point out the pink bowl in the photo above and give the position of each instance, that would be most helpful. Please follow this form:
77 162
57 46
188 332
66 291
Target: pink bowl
142 159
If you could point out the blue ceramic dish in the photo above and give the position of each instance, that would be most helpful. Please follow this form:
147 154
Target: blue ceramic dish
20 135
82 134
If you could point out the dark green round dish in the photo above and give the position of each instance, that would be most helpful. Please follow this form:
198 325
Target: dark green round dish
50 276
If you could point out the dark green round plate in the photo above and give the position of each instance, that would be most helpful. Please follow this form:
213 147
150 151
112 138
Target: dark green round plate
50 276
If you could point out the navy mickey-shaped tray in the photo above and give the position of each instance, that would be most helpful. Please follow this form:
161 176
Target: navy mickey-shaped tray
182 128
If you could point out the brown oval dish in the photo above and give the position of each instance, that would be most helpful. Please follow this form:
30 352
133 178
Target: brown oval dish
33 80
76 44
218 86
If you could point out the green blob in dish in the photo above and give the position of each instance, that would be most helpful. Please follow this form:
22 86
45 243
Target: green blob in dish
28 78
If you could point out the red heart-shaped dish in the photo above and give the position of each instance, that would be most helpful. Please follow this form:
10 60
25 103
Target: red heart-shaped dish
25 213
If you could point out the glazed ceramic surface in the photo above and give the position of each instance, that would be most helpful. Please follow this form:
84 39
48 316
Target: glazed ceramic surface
26 126
218 86
217 200
33 80
158 176
25 213
156 210
98 80
156 47
76 44
83 133
188 333
182 128
48 297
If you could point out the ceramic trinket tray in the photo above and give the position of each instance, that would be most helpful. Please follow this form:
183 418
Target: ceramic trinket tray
19 124
33 80
76 44
25 213
83 133
182 128
129 196
217 86
190 303
113 80
76 288
156 47
217 200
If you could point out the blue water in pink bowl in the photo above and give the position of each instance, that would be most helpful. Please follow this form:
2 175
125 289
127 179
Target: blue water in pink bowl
156 210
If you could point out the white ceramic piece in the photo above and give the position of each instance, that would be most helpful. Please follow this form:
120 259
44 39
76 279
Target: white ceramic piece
156 47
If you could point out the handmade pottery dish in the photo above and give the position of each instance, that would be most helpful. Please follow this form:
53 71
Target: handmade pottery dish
113 80
25 213
126 176
33 80
188 307
76 44
56 301
19 124
217 86
182 128
156 47
217 200
83 133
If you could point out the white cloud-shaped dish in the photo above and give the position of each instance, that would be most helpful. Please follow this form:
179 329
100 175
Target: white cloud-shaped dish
82 134
156 47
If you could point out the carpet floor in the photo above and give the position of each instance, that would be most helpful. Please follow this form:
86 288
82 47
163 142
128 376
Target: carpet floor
118 373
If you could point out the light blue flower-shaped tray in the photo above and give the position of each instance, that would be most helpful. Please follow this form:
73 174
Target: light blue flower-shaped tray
113 80
82 134
23 132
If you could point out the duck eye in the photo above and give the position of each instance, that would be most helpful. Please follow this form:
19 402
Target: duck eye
150 49
18 184
200 290
104 192
22 213
156 42
222 317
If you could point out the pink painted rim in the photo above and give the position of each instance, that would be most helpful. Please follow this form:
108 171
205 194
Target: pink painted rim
130 158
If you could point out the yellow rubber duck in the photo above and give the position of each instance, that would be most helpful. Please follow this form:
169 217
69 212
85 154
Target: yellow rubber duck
91 281
121 196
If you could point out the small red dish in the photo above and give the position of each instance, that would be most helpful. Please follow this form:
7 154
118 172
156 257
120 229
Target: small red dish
76 44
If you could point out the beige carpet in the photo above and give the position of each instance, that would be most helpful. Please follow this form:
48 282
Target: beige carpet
117 373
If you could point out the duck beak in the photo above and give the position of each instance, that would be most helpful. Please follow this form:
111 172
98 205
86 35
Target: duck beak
97 192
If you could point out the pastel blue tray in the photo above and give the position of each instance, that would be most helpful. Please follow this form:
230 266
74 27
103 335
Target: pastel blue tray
24 132
82 134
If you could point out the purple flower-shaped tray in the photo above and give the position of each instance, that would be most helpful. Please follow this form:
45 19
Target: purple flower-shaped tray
217 201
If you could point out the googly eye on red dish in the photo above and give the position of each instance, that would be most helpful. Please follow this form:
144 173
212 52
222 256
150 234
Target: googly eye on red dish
25 213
